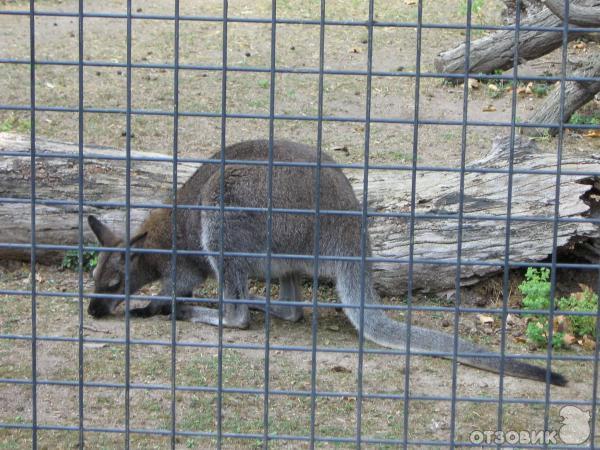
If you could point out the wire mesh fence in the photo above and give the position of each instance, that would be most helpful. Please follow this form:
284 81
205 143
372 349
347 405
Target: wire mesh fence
165 83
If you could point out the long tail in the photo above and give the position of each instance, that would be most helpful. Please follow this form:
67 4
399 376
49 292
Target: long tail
392 334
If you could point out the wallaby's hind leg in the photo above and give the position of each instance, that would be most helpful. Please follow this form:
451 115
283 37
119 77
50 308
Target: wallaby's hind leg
290 289
235 315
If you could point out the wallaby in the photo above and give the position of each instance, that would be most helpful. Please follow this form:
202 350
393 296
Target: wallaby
293 187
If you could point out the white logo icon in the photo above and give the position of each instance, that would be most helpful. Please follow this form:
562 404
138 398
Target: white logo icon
575 428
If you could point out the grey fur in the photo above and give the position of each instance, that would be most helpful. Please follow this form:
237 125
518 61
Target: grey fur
245 231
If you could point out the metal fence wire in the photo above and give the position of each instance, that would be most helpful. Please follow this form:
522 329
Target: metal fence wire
245 403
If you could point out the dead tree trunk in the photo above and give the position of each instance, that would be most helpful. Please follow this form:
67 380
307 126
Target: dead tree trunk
584 15
485 199
435 231
577 94
528 7
496 51
57 179
579 15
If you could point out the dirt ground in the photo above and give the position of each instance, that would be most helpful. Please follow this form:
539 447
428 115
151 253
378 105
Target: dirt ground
248 93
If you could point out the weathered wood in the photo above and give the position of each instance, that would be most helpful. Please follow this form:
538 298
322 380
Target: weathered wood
585 14
485 196
57 179
528 7
582 16
435 239
496 51
577 94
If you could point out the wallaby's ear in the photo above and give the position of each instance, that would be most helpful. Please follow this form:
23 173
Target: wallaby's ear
138 239
105 236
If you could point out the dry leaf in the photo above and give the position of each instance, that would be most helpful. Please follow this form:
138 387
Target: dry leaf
592 134
333 328
485 319
38 277
521 90
410 2
521 339
493 87
584 287
580 45
588 343
569 339
489 108
340 369
561 324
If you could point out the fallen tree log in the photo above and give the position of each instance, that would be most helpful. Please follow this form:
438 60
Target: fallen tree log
485 209
435 231
581 16
584 15
577 94
57 176
496 51
527 7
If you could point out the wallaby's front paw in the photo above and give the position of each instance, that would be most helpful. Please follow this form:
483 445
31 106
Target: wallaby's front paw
141 312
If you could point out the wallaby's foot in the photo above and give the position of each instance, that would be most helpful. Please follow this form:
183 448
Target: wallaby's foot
290 289
237 317
291 313
151 309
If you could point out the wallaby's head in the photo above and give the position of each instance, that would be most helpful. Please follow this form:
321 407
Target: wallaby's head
109 274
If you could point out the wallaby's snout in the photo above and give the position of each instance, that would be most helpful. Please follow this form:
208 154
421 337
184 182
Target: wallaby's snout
108 274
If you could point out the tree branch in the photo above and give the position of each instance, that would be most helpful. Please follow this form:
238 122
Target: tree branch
577 94
582 16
